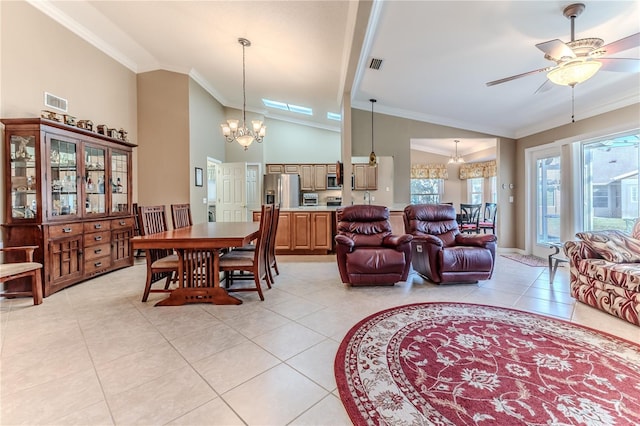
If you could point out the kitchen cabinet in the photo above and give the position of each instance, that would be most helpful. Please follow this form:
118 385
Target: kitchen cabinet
365 177
275 168
303 232
313 177
68 191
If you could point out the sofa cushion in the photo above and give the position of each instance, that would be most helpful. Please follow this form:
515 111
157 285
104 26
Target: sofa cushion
614 246
622 275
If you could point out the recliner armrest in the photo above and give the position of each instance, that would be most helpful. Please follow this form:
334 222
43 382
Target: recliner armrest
395 241
345 241
475 240
431 239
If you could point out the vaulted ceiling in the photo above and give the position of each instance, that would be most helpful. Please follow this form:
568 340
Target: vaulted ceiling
436 55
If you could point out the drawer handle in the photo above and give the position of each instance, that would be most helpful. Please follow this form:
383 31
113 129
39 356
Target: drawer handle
98 238
123 223
97 264
97 226
66 230
96 251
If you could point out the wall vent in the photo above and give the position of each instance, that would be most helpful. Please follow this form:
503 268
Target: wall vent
55 102
375 64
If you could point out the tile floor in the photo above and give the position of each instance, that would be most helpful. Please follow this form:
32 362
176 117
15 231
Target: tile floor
93 354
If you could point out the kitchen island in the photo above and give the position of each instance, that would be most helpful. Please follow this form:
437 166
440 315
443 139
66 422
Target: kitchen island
311 229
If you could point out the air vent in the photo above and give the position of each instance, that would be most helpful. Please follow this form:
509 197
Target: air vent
53 101
375 64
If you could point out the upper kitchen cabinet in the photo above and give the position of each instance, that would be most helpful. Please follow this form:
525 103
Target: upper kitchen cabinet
313 177
64 188
365 177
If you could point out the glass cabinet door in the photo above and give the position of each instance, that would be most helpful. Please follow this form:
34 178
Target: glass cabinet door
63 176
94 181
24 203
119 182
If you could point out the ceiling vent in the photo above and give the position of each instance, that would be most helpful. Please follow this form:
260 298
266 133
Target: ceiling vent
375 64
53 101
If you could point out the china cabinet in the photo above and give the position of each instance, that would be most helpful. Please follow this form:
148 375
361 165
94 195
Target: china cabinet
68 191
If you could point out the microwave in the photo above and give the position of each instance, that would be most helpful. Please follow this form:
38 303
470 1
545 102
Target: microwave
332 181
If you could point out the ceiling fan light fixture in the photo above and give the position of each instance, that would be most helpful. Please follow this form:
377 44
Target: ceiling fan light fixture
574 72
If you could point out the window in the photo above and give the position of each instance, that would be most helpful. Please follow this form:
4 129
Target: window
493 184
475 190
426 191
610 181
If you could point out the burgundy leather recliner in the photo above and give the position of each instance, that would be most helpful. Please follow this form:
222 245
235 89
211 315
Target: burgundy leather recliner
366 251
440 252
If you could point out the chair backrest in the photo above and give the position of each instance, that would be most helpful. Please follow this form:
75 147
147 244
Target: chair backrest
266 216
136 220
271 243
153 219
490 210
432 219
470 214
181 215
366 225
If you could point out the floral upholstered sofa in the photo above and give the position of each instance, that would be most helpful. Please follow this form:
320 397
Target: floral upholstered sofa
605 271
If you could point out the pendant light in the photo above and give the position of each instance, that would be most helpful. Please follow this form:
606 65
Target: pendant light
456 158
373 160
242 134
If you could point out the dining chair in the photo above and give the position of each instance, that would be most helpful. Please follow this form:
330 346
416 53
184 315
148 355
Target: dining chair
136 228
470 218
489 219
181 215
18 263
250 261
161 263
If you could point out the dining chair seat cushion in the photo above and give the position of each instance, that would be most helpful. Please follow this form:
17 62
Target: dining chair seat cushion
170 261
248 247
481 224
236 261
9 269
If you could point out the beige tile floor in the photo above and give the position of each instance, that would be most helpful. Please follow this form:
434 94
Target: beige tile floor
93 354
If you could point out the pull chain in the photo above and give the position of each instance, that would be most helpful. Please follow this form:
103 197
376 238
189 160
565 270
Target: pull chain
573 104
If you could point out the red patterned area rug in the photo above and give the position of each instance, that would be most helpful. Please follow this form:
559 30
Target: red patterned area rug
462 364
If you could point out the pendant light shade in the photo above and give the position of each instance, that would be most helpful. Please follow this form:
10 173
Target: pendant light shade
456 158
373 160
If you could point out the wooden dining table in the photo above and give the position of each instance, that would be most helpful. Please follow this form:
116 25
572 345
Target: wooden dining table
198 248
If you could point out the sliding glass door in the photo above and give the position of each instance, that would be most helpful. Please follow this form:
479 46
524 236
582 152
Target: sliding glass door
548 206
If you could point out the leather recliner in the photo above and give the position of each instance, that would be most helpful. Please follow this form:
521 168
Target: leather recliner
366 251
440 252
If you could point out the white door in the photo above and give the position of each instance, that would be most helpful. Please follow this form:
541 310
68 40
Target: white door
546 212
232 192
254 195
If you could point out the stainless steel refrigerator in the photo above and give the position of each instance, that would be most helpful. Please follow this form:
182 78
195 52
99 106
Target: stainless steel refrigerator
282 189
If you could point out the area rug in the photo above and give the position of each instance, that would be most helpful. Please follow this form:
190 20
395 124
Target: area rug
527 259
460 364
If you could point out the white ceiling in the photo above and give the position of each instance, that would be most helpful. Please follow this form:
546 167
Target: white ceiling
437 55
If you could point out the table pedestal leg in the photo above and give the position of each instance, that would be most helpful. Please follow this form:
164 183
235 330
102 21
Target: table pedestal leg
199 274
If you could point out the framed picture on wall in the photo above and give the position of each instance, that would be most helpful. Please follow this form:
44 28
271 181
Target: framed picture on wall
198 176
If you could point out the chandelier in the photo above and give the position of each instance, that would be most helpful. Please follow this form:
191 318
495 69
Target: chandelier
242 134
373 160
456 158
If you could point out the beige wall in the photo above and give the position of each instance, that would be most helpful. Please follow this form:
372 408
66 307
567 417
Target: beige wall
295 143
164 169
37 55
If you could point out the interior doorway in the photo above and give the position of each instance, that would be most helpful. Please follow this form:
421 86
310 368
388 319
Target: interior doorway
212 169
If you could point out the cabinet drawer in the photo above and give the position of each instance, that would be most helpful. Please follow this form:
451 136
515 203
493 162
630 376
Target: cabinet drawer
94 252
96 238
101 225
122 223
69 229
93 265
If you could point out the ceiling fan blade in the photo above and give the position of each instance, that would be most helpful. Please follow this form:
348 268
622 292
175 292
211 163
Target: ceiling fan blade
622 44
514 77
545 87
620 64
556 49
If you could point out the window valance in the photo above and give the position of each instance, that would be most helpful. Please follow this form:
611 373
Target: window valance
477 170
429 171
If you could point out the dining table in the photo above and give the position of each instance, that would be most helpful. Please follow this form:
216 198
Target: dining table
198 248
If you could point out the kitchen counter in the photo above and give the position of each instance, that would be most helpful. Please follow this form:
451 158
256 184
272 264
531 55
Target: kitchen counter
323 208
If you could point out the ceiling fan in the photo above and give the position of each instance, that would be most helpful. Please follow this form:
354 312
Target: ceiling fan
579 60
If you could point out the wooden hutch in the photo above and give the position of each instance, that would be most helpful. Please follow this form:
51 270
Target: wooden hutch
68 191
